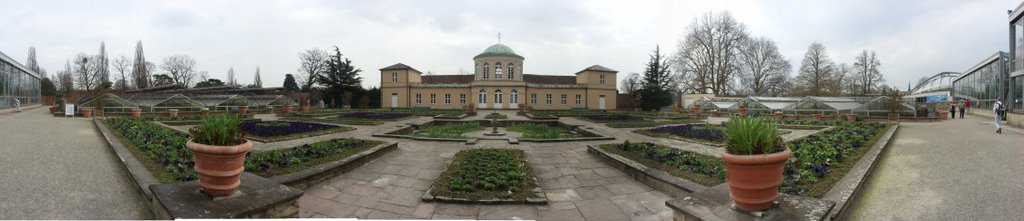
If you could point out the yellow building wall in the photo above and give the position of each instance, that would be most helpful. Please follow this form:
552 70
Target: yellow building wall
439 99
594 96
556 98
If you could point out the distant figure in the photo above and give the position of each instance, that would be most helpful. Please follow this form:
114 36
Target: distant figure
969 105
952 110
961 106
17 105
997 108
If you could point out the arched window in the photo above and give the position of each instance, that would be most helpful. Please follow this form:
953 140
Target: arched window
483 96
513 97
511 71
497 71
497 96
487 68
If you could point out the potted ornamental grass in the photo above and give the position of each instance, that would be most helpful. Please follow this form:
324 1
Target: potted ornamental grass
755 158
218 148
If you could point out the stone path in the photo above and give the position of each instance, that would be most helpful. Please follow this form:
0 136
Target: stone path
949 170
579 185
55 168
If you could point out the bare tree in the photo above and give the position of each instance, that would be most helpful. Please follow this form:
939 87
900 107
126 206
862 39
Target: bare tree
122 65
314 63
182 68
65 80
842 80
85 69
632 85
709 52
816 72
866 72
762 66
140 71
150 72
32 64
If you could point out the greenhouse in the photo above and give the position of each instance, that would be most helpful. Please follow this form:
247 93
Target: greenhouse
223 102
879 107
159 102
769 104
717 103
109 103
267 101
828 104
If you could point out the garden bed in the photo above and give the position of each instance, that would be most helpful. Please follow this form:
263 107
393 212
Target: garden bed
540 131
605 118
639 124
485 175
163 153
273 131
711 135
498 116
383 116
452 116
335 120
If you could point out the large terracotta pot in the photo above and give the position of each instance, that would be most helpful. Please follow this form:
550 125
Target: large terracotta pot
219 167
87 112
743 111
943 114
287 108
851 117
816 116
713 113
894 117
754 179
778 115
172 112
136 112
53 109
695 110
206 112
243 110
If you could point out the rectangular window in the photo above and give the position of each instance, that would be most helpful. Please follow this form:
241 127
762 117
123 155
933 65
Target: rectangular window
419 99
602 78
447 98
394 76
579 99
564 99
433 98
548 98
533 98
462 98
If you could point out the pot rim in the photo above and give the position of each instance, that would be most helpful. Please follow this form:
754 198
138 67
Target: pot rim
214 149
756 159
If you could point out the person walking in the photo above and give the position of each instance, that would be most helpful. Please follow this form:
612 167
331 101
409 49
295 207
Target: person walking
969 105
17 105
997 108
952 110
961 106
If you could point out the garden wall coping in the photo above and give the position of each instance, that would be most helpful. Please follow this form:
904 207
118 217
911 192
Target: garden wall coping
848 188
325 171
660 180
715 204
140 176
257 197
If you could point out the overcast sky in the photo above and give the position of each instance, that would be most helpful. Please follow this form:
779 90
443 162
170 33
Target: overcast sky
912 38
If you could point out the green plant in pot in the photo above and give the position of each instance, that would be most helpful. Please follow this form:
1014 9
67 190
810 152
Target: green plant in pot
219 148
755 158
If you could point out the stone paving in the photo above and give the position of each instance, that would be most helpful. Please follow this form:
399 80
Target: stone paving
61 168
949 170
579 186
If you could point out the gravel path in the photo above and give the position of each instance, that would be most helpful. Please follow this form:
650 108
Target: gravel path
950 170
57 168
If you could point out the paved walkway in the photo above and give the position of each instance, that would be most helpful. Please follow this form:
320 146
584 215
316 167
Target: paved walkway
56 168
950 170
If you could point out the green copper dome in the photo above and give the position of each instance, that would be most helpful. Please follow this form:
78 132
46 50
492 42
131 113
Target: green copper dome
498 50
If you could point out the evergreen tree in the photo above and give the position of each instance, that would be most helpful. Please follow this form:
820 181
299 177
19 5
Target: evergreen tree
657 84
340 77
257 83
290 84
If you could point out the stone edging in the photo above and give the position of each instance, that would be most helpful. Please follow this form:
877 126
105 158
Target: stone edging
325 171
140 176
848 188
530 115
656 179
419 138
538 198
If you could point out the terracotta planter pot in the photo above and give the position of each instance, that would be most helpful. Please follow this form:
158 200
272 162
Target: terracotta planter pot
206 112
754 179
695 110
816 117
219 167
851 117
243 110
53 109
172 112
943 114
270 110
742 111
778 115
87 112
305 109
894 117
287 108
713 114
136 112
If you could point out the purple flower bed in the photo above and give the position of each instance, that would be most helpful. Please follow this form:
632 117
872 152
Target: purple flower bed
370 115
697 131
281 128
618 117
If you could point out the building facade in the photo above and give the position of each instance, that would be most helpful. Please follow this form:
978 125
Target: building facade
1015 92
983 83
17 82
498 82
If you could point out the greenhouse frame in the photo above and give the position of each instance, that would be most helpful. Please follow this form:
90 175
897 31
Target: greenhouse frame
111 103
223 102
151 102
865 106
267 101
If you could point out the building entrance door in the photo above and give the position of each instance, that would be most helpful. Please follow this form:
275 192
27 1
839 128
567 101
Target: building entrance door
600 102
394 100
